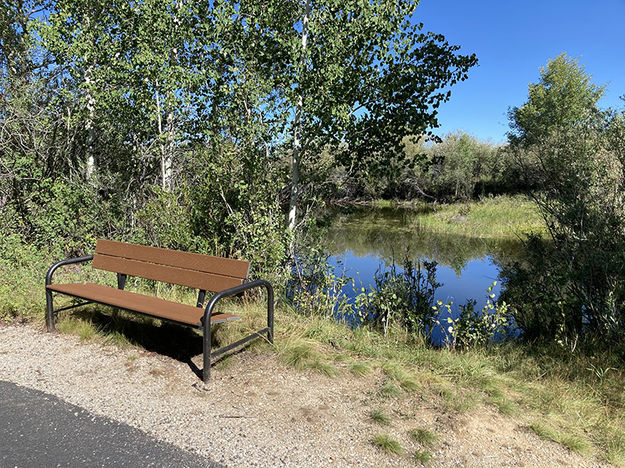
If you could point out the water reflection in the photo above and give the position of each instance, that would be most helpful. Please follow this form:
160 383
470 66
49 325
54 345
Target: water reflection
364 241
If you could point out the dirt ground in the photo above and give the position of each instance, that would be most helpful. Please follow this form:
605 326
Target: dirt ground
257 412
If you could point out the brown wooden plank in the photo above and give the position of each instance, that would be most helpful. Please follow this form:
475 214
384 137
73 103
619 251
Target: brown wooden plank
167 274
175 258
148 305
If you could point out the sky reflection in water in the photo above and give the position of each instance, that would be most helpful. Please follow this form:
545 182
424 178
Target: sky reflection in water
366 241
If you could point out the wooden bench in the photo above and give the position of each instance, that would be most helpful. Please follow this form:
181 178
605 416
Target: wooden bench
223 276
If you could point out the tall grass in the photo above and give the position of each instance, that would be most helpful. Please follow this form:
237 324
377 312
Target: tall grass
492 218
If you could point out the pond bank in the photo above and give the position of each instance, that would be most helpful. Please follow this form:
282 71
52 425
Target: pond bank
501 217
276 415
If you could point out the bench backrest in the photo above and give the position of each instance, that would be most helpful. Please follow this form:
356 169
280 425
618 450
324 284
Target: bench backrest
170 266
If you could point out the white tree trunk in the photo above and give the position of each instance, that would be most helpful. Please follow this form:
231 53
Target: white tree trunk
90 163
165 156
297 142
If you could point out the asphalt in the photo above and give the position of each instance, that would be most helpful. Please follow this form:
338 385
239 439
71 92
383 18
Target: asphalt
40 430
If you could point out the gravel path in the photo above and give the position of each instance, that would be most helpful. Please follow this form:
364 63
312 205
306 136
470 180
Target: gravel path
256 412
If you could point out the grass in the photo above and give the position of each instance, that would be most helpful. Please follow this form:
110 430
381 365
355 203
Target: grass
380 417
571 441
492 218
387 444
422 456
423 436
360 369
576 400
399 374
390 390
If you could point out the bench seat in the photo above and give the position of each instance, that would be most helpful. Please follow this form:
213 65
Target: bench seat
149 305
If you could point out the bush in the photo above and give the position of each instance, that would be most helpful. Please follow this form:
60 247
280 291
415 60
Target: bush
575 287
402 296
475 328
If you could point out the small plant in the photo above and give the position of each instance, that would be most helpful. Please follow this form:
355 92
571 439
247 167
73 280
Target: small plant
389 390
474 328
322 367
423 456
387 444
359 368
403 378
380 417
423 436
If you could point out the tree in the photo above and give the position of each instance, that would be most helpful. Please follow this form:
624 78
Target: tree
365 77
574 286
564 96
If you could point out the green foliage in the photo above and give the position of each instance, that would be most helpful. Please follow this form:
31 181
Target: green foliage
380 417
461 167
474 328
400 296
387 444
573 288
564 97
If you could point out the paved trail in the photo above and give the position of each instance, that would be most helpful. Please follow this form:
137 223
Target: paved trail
37 429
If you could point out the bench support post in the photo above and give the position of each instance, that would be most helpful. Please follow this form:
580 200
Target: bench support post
206 371
208 312
49 311
121 280
49 301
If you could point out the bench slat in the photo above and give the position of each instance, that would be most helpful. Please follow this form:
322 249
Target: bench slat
167 274
175 258
148 305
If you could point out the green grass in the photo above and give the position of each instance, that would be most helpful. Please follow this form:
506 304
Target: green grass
387 444
576 400
399 374
422 456
422 436
360 369
390 390
492 218
380 417
571 441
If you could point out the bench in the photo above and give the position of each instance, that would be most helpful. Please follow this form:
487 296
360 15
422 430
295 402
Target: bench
223 276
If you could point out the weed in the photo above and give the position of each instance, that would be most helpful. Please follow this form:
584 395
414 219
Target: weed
390 390
380 417
387 444
423 456
359 368
423 436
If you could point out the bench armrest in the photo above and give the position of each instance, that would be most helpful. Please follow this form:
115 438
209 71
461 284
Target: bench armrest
67 261
239 289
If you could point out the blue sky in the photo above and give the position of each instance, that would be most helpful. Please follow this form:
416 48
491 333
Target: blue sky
512 40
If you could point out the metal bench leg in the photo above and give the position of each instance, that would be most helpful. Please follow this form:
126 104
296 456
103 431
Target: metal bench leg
49 311
270 305
207 350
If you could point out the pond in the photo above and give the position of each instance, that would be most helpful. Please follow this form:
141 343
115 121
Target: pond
365 240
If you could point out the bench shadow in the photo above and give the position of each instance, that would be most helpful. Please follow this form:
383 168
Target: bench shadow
169 339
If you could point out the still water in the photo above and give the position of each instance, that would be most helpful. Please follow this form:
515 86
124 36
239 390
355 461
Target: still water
363 241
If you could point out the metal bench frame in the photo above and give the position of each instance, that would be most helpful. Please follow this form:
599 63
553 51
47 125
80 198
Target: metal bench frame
205 325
